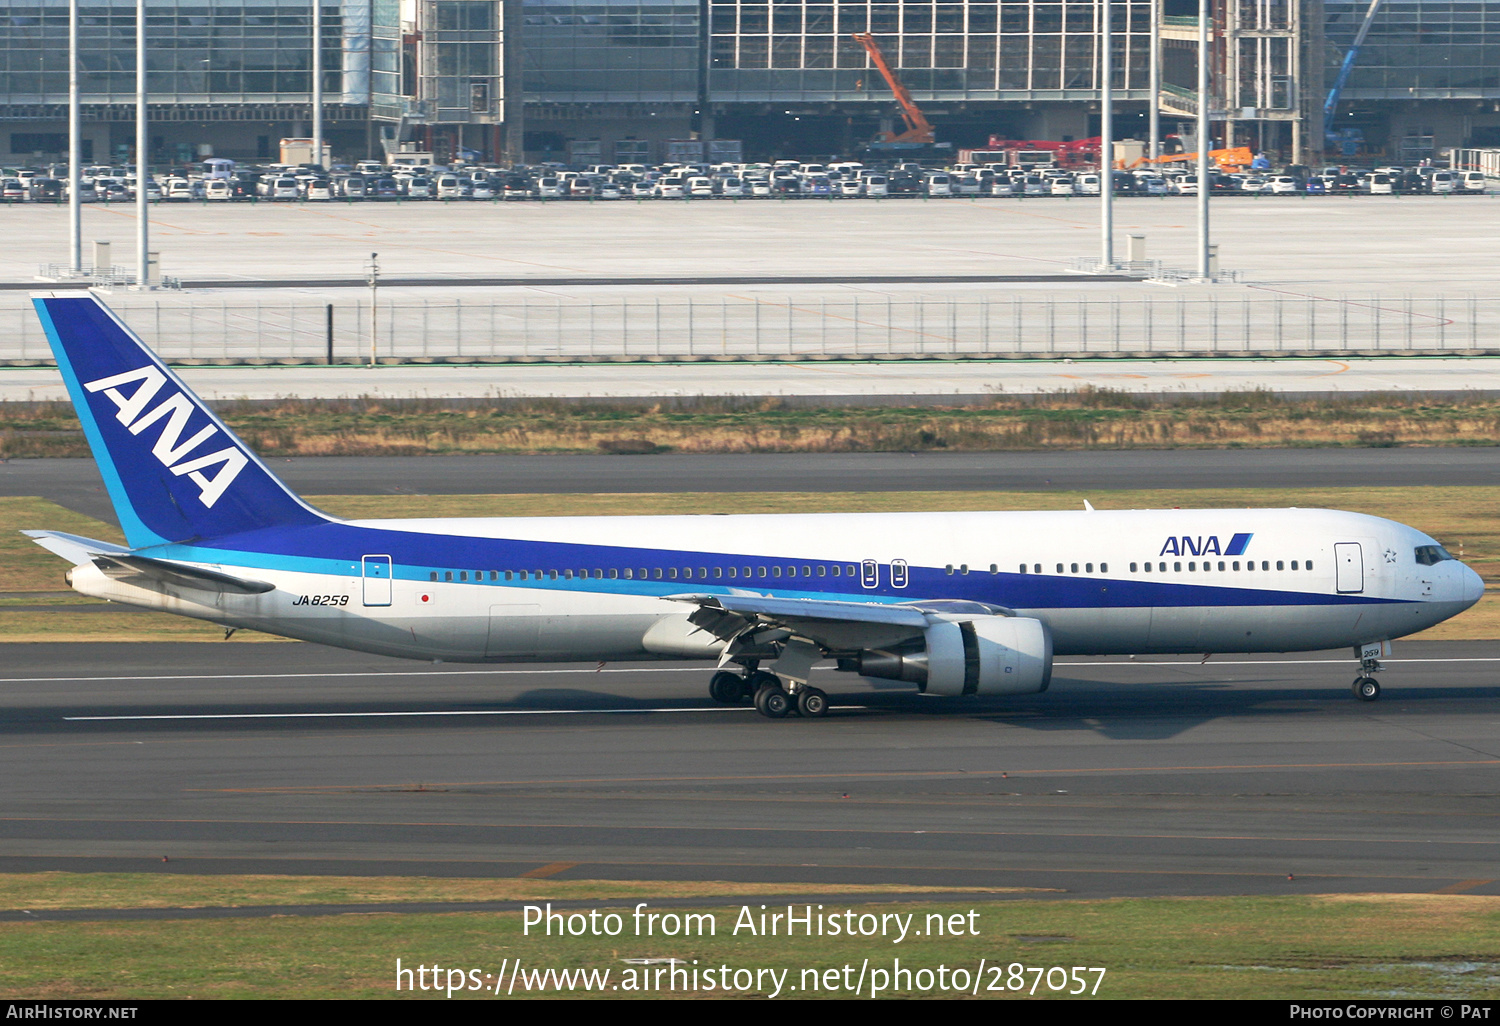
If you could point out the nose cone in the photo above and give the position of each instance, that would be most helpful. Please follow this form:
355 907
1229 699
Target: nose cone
1471 586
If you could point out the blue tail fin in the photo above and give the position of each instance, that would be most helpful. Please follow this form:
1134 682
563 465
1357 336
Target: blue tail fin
173 470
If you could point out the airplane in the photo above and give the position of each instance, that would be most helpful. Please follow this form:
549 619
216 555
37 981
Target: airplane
953 603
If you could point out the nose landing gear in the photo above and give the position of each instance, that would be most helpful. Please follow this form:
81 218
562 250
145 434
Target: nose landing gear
1366 688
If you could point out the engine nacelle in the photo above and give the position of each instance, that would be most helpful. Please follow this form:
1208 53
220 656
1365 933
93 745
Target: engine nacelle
984 655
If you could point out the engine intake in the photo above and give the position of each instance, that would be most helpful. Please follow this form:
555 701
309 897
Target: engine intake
984 655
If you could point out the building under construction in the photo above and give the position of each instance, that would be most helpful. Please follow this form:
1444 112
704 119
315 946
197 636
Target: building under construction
607 81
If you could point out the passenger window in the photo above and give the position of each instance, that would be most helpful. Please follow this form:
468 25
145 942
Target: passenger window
630 573
507 575
432 576
1221 564
525 575
1104 568
1176 567
1192 568
1134 565
791 571
1023 568
1294 564
447 575
567 575
775 571
598 574
734 572
964 569
994 569
657 574
672 572
948 569
849 571
835 570
807 571
1265 564
762 571
1088 568
718 571
822 570
552 575
1037 568
463 575
1280 565
1307 565
614 575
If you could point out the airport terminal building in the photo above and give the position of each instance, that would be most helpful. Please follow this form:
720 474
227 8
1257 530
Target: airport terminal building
616 81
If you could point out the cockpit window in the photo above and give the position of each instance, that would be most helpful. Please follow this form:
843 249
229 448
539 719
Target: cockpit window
1427 555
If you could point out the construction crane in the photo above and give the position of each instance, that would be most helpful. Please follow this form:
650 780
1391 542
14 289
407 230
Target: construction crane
1331 133
918 130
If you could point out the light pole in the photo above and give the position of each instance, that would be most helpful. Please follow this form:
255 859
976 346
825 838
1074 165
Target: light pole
142 175
75 150
1154 148
1106 146
317 82
1204 15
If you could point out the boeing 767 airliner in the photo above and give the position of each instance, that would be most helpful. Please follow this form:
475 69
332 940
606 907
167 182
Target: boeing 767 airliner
953 603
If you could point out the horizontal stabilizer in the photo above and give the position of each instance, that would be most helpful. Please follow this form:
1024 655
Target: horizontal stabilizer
72 547
124 567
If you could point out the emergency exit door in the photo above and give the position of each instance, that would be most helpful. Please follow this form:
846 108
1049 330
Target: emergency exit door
1349 567
377 575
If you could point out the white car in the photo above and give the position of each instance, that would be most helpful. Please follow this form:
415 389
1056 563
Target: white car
1060 187
1086 185
317 190
218 190
1184 185
875 186
1473 181
1002 187
1286 185
449 187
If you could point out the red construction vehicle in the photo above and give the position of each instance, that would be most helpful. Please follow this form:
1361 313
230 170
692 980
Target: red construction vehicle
918 130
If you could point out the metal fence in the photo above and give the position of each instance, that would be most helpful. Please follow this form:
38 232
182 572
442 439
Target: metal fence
1012 325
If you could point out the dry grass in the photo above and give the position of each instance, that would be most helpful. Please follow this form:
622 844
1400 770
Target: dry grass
37 891
1088 418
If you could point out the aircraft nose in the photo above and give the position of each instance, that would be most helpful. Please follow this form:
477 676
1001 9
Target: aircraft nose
1472 586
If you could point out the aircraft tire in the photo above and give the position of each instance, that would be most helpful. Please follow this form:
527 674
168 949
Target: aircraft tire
773 703
726 688
812 702
1366 689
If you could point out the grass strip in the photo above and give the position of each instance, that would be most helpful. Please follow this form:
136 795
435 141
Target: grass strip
1087 418
38 891
1292 947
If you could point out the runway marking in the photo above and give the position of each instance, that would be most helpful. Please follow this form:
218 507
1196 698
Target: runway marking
551 869
434 712
870 775
693 669
1461 886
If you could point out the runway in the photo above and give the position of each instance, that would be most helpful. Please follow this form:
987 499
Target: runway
1161 776
75 483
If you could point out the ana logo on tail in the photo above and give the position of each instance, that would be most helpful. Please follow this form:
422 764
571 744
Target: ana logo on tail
173 413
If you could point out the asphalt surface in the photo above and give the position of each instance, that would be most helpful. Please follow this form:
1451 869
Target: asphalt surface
1163 776
75 483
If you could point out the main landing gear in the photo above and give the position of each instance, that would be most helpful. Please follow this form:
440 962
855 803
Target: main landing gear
772 699
1366 688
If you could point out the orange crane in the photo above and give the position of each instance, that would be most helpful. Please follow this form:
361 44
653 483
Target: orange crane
918 130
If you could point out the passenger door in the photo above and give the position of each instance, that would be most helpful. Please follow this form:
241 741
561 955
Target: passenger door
377 580
1349 568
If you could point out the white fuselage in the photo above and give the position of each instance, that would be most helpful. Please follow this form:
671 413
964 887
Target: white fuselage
572 588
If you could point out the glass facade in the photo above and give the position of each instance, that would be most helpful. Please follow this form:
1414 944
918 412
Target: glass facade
1418 49
198 52
971 49
611 51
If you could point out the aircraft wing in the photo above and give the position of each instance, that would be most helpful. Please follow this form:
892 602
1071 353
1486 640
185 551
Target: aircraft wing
119 563
743 620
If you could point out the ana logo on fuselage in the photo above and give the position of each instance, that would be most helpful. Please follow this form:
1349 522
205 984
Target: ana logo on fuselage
174 411
1187 545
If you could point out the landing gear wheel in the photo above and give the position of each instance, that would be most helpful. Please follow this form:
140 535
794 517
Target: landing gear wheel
1366 689
726 688
772 702
812 702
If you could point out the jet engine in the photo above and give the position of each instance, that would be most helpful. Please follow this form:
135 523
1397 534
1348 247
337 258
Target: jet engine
985 655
